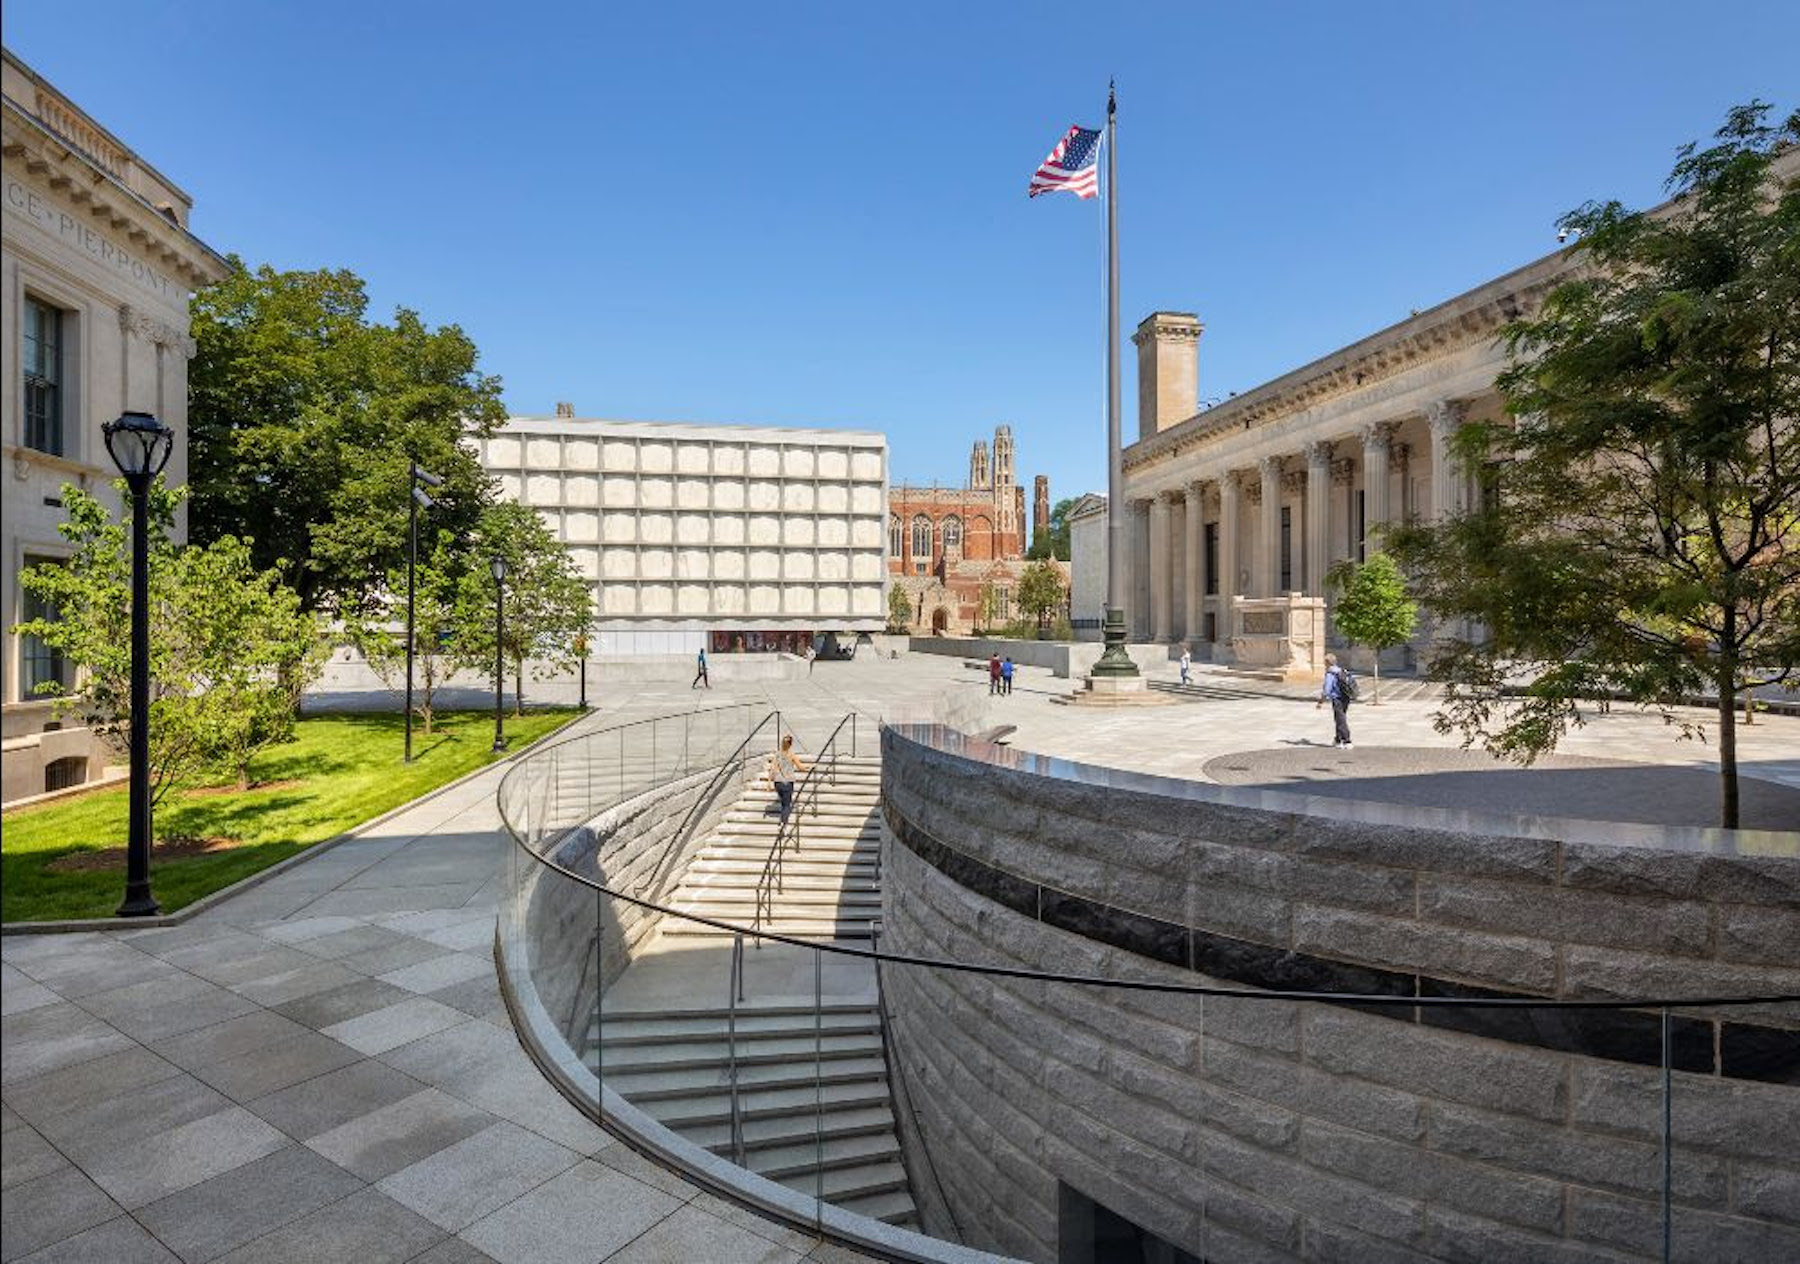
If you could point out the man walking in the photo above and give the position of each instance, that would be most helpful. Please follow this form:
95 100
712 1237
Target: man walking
700 677
993 675
1006 675
1187 661
1338 691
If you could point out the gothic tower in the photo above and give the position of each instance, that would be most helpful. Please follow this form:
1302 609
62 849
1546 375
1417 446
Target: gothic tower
978 467
1040 505
1003 456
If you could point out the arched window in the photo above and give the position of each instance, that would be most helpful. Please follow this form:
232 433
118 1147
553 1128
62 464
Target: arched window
921 541
952 533
893 535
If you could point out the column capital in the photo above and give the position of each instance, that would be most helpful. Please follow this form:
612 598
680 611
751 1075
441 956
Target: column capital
1253 491
1271 467
1343 473
1444 416
1195 491
1294 481
1318 456
1140 504
1171 496
1377 435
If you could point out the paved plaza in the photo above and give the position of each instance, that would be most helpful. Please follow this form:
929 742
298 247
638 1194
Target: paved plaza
320 1069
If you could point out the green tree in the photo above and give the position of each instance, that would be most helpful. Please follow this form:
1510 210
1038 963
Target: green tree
987 606
1640 539
1372 607
445 638
1041 591
549 606
230 648
900 609
1059 529
303 415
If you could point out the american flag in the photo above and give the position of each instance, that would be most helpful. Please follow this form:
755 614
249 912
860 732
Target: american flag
1072 167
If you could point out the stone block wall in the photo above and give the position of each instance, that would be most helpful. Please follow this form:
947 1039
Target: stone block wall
640 847
1275 1130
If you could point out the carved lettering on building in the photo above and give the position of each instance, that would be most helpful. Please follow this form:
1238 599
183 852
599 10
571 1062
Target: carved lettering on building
1263 623
66 227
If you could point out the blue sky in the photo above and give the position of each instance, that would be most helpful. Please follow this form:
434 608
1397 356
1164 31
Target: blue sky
815 214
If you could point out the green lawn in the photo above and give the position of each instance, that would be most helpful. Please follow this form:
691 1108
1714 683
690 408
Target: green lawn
347 769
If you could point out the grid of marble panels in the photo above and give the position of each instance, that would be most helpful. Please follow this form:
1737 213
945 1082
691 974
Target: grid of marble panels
699 528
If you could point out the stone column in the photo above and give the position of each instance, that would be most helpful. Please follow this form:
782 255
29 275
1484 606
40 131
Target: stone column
1267 577
1194 581
1444 418
1137 590
1161 614
1376 439
1318 516
1228 543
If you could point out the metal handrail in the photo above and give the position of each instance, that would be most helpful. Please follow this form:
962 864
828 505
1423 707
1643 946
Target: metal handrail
736 758
736 985
787 833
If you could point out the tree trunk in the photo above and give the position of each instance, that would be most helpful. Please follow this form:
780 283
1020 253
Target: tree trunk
1728 798
1375 693
518 686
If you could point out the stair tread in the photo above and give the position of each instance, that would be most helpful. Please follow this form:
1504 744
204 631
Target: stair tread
782 1130
749 1026
767 1104
810 1155
645 1081
893 1206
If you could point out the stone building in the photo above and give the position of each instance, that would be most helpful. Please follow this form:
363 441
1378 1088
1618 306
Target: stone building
99 265
723 537
947 544
1237 511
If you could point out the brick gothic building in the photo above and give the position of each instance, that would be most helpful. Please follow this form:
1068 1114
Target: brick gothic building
945 543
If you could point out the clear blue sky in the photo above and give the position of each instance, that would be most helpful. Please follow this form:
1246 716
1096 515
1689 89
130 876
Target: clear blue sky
814 214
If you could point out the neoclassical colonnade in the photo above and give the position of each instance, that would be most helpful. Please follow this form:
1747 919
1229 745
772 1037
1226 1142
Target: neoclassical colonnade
1276 523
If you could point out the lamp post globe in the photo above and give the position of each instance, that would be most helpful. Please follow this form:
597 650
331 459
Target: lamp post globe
140 446
497 567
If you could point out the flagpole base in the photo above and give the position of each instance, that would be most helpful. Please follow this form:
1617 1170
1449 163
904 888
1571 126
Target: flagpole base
1114 661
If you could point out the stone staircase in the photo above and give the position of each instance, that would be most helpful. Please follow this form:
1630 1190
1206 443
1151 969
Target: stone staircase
1232 684
813 1106
821 1125
830 881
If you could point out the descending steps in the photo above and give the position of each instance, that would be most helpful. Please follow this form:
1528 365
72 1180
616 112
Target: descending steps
829 883
813 1110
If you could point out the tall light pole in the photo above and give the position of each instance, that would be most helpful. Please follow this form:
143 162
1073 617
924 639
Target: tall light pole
581 650
1114 660
498 567
139 445
416 481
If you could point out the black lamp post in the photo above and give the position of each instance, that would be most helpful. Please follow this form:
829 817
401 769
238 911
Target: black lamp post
498 567
139 445
581 650
419 500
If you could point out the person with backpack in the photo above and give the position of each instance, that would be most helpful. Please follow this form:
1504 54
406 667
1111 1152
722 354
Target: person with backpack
993 675
1006 675
1339 690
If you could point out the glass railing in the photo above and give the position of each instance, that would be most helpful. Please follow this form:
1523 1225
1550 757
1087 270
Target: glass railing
983 1095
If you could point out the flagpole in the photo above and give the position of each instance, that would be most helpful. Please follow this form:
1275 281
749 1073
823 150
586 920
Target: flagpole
1114 661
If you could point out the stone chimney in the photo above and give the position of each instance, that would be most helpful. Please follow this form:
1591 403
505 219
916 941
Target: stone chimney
1168 346
565 409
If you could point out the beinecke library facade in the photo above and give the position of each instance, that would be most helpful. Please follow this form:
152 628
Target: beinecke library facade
1236 512
98 269
723 537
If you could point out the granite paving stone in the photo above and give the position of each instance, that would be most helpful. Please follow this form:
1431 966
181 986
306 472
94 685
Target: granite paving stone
272 960
167 1007
440 972
170 1161
347 943
52 1207
120 1240
454 1251
25 995
521 1093
119 969
467 936
692 1234
208 1219
318 1105
89 1084
457 1057
582 1216
366 1228
400 1134
291 985
10 1118
395 1025
305 929
631 1163
27 1156
95 1129
234 1036
335 1005
393 957
464 1182
264 1071
479 998
383 899
53 1037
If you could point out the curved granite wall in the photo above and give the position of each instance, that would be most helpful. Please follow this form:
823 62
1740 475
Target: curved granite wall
1246 1130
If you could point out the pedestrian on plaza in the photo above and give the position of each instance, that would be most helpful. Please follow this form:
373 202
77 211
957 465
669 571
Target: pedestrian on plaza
1006 675
784 766
994 675
812 656
1187 661
1339 690
700 677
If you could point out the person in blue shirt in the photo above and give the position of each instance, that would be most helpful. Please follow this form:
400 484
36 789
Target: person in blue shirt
1333 691
700 676
1006 675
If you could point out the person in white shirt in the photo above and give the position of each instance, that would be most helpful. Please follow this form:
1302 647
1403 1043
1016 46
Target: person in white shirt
784 766
1187 661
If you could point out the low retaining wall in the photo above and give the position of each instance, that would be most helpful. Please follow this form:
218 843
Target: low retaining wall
1065 659
644 845
1264 1130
